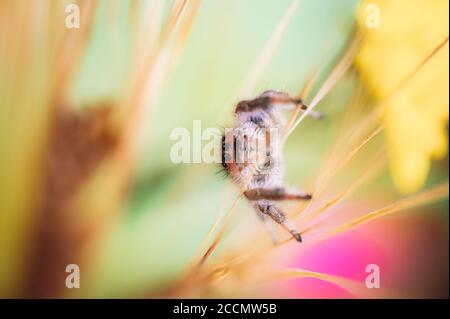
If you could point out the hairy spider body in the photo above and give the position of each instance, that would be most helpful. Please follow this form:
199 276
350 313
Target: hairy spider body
252 155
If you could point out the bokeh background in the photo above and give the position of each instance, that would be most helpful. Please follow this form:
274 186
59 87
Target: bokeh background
85 172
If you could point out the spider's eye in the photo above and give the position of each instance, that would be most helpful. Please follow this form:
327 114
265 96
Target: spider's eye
255 119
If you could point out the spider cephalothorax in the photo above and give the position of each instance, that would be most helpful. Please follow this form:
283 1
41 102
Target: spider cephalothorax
251 154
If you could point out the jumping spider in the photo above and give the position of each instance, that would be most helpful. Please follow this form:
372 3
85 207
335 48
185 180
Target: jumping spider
251 155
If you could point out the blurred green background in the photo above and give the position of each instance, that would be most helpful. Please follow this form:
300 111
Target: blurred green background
170 207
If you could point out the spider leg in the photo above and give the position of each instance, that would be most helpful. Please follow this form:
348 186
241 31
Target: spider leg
280 218
298 103
264 102
276 193
314 114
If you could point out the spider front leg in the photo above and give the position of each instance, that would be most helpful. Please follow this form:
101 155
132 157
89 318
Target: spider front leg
281 99
276 193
